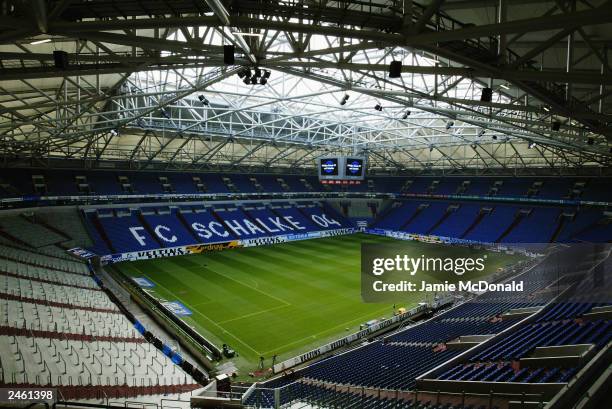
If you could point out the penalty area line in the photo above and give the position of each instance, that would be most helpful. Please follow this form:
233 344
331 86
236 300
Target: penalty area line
313 336
254 313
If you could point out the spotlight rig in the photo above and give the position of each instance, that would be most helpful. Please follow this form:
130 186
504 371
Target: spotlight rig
258 76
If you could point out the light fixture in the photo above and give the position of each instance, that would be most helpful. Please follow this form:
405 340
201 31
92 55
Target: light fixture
494 137
545 108
203 99
114 132
44 40
378 107
266 74
504 86
431 148
481 132
531 145
406 115
449 124
344 99
165 113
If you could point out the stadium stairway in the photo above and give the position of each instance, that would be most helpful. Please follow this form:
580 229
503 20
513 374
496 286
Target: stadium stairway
561 222
100 232
143 221
518 218
420 208
449 211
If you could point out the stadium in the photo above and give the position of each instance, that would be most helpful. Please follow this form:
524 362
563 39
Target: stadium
305 204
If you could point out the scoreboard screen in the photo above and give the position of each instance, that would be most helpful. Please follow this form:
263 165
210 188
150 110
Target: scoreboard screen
353 168
341 169
329 167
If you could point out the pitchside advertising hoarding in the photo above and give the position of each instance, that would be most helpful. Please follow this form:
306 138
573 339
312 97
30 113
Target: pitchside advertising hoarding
223 245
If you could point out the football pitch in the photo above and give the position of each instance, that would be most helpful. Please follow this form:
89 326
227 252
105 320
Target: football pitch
279 300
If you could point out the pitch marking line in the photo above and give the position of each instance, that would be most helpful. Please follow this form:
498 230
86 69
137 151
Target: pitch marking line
224 331
321 332
253 314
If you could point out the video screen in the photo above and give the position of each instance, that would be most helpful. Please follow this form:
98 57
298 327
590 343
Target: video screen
329 167
354 167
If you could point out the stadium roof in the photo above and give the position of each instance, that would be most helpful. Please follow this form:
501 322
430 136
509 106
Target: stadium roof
146 83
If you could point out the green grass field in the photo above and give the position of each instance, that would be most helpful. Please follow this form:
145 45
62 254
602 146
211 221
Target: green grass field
283 299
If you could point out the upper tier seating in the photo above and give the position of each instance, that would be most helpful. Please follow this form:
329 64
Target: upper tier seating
19 182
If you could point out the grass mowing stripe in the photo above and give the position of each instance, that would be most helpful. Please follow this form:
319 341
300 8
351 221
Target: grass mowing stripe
200 313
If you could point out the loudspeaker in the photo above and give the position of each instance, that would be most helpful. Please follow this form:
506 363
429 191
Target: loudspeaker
556 125
487 95
395 69
228 55
61 59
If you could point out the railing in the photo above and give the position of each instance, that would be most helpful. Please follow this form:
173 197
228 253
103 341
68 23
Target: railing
93 200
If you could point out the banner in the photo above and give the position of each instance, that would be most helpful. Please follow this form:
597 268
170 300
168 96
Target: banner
226 245
522 248
81 253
